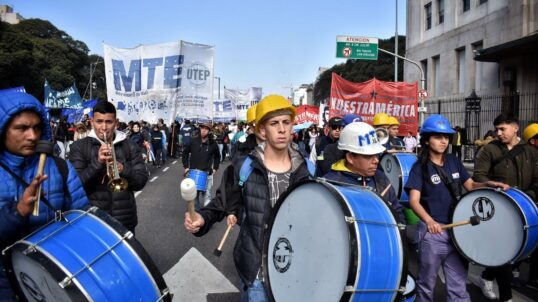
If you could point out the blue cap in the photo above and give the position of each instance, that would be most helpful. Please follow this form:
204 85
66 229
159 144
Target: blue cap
351 118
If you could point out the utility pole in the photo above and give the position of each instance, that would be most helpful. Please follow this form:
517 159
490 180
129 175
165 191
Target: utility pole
291 91
396 46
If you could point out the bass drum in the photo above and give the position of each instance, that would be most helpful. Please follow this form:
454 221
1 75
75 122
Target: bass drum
508 229
85 256
333 243
397 167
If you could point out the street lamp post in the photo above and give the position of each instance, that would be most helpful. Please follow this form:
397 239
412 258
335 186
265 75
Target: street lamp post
218 78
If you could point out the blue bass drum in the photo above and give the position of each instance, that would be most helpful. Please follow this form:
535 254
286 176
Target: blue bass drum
508 229
200 178
333 243
85 256
397 167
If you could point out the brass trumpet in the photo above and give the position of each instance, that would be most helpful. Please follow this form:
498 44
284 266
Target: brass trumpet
115 183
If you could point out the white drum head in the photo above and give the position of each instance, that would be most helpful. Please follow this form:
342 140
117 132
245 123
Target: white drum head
35 280
498 238
308 251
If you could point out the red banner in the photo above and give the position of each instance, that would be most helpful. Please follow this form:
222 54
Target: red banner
398 99
307 113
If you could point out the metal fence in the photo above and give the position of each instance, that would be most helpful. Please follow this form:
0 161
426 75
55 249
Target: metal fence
524 105
476 123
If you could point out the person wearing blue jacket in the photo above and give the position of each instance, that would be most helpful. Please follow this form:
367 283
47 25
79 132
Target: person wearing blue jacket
23 122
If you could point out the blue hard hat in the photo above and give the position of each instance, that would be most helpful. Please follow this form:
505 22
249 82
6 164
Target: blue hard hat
351 118
436 124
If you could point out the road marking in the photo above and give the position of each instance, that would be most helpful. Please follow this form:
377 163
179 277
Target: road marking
137 193
154 178
175 161
166 169
203 278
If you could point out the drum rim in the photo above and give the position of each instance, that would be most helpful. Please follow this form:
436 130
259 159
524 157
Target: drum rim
138 250
118 229
520 214
353 248
400 179
54 268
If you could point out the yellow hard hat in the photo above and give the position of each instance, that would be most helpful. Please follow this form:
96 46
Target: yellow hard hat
251 114
272 103
381 118
530 132
393 121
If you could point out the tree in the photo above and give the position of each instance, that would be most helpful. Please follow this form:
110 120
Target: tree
362 70
35 50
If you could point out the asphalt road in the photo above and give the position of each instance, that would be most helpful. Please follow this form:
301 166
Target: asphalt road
188 263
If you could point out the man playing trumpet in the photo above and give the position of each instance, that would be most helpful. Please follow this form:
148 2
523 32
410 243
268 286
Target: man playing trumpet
110 183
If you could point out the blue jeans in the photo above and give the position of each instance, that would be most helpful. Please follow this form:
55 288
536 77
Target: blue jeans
254 293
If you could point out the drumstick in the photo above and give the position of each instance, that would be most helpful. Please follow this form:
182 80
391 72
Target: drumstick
473 220
188 192
218 250
386 190
45 148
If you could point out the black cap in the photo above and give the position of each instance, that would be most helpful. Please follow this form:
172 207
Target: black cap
336 121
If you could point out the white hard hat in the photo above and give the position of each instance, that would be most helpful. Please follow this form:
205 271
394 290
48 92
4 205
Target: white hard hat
360 138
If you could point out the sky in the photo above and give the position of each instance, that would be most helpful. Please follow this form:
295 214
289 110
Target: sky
274 44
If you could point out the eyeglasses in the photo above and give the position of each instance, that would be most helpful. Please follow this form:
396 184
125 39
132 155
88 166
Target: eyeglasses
335 127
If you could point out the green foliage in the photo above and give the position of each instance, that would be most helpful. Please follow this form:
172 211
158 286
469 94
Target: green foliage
35 50
363 70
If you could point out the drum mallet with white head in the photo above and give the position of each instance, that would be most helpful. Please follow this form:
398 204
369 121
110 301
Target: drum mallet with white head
45 148
473 220
218 251
188 192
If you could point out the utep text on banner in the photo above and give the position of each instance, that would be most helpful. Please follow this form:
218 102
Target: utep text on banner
166 81
398 99
307 113
66 99
224 111
243 99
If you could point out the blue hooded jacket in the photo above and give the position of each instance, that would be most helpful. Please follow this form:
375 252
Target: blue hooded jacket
12 225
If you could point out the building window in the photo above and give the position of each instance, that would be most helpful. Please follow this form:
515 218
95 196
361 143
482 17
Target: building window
466 5
424 64
441 10
462 75
428 12
436 62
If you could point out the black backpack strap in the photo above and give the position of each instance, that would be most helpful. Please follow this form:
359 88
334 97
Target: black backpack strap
511 155
25 184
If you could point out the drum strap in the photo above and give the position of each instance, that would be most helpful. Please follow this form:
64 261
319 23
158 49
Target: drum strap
25 184
453 186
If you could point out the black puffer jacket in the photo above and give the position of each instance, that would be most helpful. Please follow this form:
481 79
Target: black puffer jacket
254 200
121 205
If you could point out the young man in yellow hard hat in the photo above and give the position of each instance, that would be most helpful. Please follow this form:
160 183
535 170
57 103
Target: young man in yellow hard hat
530 135
273 166
394 144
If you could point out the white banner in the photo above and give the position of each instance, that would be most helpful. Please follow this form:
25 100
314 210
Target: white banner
224 110
161 81
243 98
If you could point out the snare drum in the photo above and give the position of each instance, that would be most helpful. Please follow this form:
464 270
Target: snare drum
85 256
397 167
200 178
508 229
332 243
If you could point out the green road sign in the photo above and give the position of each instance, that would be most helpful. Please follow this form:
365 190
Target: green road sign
356 48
